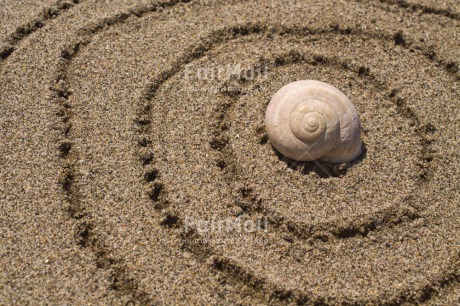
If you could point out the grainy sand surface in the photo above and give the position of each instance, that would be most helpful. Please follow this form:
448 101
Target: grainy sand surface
128 138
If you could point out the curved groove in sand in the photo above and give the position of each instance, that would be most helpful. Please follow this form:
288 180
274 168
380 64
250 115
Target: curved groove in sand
60 93
412 7
195 53
369 221
222 262
22 32
362 225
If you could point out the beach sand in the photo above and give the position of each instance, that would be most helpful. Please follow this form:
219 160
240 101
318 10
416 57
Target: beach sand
136 169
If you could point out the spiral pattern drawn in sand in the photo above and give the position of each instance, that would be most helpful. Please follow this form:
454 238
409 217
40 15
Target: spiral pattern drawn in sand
199 152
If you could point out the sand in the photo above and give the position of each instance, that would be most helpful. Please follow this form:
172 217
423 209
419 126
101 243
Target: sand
136 169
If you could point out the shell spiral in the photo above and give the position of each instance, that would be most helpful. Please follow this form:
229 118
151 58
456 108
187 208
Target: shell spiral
308 120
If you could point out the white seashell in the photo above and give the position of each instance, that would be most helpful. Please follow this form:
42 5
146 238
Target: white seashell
308 120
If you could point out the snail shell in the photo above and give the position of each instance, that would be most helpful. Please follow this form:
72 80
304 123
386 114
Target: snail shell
308 120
